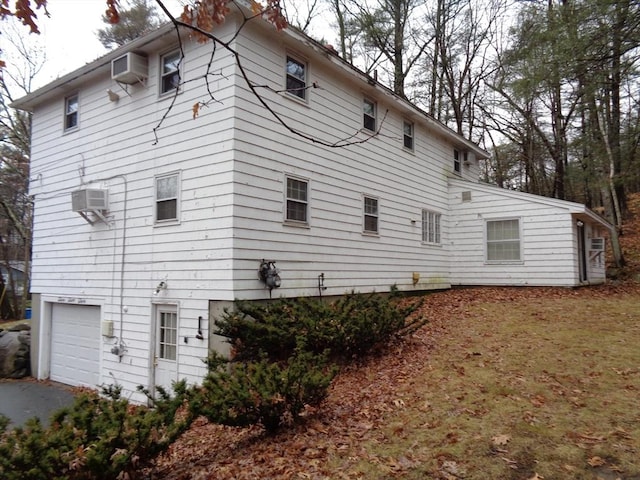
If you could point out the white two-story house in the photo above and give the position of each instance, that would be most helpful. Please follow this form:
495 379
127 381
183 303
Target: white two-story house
148 221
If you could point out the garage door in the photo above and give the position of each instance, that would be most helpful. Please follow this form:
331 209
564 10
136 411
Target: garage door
75 344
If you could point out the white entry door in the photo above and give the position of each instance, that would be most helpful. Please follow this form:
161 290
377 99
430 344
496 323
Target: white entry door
166 346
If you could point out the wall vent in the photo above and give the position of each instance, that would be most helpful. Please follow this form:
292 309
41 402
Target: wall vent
466 196
130 68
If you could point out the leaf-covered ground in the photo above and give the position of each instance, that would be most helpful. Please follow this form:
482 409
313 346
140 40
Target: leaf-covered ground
502 383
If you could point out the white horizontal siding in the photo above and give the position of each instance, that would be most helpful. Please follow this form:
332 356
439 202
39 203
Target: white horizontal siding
549 254
333 243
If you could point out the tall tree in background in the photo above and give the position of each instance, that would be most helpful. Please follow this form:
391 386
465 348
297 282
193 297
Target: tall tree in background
137 17
457 60
15 203
387 29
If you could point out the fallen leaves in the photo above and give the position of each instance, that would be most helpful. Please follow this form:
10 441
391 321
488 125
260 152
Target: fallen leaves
500 440
596 461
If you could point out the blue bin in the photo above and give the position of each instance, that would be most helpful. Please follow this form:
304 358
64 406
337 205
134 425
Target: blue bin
27 313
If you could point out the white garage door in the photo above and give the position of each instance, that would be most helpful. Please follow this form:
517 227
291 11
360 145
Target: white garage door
75 344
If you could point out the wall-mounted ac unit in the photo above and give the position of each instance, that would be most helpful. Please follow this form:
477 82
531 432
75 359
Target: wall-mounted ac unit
597 245
89 200
130 68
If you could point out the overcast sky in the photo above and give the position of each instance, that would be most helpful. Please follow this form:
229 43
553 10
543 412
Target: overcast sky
68 36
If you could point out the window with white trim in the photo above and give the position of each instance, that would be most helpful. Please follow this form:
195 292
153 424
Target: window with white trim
430 227
370 220
457 161
170 72
167 197
503 240
167 334
71 112
407 134
297 202
369 114
296 78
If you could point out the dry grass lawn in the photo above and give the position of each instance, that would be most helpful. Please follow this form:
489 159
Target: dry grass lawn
528 389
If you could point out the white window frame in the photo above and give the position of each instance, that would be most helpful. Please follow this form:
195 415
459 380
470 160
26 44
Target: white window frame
368 214
298 201
367 116
75 114
408 136
492 259
431 227
165 74
300 92
176 198
457 161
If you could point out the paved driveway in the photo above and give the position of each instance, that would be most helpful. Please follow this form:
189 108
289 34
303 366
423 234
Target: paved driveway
24 399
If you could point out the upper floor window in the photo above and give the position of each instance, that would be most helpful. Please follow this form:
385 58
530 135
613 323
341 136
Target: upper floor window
71 112
370 215
369 114
167 197
296 78
407 134
503 240
170 72
297 200
457 161
430 227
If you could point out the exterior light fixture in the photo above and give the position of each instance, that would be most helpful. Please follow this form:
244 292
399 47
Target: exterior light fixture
161 286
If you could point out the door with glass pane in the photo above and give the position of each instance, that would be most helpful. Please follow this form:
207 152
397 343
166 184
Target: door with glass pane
166 346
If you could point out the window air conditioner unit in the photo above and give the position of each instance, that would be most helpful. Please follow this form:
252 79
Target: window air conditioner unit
130 68
89 200
597 244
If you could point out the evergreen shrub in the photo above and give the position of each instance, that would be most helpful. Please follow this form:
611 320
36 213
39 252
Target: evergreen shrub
353 325
100 437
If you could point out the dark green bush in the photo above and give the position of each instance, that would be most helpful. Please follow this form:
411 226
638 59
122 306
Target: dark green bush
98 437
263 392
352 325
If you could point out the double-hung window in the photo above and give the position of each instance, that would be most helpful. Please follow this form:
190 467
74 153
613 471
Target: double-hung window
370 220
457 161
167 197
71 112
430 227
296 78
297 202
369 114
503 240
170 72
407 134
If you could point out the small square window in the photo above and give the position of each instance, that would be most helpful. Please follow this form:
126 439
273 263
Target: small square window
296 78
167 197
407 134
297 200
370 215
369 114
430 227
71 112
170 74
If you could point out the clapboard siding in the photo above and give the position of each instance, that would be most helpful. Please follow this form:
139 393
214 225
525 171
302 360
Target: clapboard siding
548 238
338 179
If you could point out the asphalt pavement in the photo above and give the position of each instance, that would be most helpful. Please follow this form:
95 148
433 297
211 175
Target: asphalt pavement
21 400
